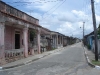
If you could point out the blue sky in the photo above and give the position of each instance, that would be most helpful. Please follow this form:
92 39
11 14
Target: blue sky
64 16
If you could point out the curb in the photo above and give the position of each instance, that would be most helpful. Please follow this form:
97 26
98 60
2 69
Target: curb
27 62
88 60
24 63
3 68
17 65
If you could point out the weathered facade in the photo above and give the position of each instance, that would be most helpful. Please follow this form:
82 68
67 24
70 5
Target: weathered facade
54 37
57 39
65 41
60 40
46 40
22 36
15 27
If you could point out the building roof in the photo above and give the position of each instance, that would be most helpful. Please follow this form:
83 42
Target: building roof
18 14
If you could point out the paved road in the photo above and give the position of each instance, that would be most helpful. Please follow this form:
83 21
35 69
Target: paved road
70 61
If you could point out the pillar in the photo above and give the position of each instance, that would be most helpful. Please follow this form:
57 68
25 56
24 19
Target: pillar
25 40
32 51
62 41
57 40
2 45
38 40
53 41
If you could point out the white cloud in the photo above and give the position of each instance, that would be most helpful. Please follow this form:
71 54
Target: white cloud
66 16
43 5
97 1
63 20
98 19
67 23
70 28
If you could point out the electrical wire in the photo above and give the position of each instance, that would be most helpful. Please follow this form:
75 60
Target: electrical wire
30 2
55 9
87 10
50 9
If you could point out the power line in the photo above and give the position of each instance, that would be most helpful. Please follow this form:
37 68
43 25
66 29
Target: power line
50 9
30 2
40 1
22 3
85 9
56 8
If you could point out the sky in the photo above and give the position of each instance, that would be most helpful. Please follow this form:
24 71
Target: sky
64 16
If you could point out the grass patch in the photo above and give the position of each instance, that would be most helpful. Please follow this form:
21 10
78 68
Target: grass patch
53 48
96 62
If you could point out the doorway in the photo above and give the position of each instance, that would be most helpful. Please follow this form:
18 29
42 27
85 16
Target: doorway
17 41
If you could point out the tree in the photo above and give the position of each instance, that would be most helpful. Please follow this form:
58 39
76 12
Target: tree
32 35
99 29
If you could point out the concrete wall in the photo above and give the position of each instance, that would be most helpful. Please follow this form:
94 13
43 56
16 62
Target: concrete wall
65 42
2 28
10 37
17 13
93 46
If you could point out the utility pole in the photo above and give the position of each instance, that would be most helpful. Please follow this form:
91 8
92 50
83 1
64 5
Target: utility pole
95 30
83 33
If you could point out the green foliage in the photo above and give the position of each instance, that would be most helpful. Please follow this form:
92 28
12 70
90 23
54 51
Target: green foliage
99 26
53 48
96 62
99 37
99 30
88 46
32 35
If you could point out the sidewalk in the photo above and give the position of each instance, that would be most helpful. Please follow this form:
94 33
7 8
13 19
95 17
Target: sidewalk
28 59
89 57
90 54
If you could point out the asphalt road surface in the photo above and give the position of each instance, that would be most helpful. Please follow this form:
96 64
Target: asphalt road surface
70 61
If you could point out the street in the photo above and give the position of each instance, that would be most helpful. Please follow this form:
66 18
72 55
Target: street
70 61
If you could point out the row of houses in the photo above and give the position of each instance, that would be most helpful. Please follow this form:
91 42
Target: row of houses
89 41
22 36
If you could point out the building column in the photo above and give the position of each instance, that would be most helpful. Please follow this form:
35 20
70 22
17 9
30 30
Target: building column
52 41
25 40
38 40
2 45
62 41
66 41
57 41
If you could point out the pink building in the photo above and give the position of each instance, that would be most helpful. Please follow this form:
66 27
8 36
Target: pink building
19 34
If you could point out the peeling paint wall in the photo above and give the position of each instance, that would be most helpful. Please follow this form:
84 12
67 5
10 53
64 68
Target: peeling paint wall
10 37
